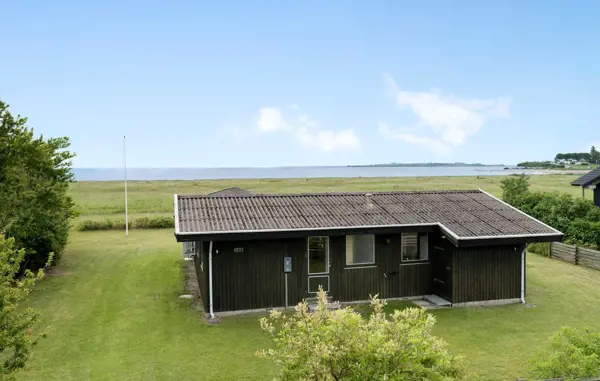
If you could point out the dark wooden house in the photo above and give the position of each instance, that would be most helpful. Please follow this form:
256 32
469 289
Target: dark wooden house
266 251
590 181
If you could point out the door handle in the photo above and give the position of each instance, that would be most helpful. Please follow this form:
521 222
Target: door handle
448 268
438 280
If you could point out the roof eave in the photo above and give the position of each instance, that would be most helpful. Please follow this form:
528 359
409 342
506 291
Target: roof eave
296 233
509 240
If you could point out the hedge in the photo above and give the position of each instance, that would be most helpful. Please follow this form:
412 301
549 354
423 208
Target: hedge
159 222
576 217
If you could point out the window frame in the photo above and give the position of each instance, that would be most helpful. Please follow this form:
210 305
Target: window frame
361 263
319 276
419 236
327 260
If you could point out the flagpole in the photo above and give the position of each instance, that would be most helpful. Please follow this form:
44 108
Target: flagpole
125 176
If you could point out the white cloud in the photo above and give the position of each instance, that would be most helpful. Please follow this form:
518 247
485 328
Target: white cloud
398 134
270 119
306 130
327 140
443 121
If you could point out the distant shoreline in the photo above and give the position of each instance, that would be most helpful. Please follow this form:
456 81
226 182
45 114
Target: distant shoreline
437 165
156 174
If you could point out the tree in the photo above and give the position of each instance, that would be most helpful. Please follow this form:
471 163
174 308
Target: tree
571 354
34 179
343 345
514 187
594 155
16 339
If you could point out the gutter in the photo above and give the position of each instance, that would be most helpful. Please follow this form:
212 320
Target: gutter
523 274
210 281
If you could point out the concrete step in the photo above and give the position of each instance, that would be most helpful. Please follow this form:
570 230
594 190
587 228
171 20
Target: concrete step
437 301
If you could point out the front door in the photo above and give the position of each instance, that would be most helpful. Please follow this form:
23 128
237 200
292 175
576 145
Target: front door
442 271
318 265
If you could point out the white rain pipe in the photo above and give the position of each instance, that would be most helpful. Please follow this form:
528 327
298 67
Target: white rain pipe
210 281
523 274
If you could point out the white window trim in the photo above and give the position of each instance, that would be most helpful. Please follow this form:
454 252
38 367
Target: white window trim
326 255
418 248
360 263
319 276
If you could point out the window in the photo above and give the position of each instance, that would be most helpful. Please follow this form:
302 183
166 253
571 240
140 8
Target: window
415 247
318 255
314 282
360 249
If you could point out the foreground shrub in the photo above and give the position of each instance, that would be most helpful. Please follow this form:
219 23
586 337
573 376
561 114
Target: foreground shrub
343 345
571 354
16 339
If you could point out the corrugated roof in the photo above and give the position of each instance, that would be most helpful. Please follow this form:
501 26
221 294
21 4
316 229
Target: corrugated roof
588 178
464 214
232 191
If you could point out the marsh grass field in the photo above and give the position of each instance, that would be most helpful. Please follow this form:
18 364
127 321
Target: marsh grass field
105 199
112 312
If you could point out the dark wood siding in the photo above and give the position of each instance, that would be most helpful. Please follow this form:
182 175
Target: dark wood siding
200 260
486 273
254 278
415 280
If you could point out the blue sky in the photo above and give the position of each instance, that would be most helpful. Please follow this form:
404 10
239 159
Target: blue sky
271 83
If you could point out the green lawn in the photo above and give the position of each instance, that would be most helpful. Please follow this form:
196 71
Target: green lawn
112 313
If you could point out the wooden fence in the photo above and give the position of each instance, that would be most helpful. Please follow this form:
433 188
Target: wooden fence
575 255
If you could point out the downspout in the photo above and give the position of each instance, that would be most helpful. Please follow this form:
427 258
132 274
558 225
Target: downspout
523 274
210 281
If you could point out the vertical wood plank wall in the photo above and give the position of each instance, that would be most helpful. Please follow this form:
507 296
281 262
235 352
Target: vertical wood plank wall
486 273
254 278
200 263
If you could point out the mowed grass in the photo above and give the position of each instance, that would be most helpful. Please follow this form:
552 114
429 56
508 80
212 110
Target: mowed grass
98 200
112 312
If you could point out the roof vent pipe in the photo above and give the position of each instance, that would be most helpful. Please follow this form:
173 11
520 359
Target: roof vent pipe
369 199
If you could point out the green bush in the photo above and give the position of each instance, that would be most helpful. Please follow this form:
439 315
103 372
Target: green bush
35 206
160 222
341 344
542 249
576 217
16 321
571 354
584 232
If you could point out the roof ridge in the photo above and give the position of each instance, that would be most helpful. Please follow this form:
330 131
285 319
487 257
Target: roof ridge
341 193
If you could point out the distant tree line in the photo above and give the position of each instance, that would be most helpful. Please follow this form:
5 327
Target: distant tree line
591 157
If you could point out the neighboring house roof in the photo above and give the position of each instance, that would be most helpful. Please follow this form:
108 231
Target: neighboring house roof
588 179
229 192
464 215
